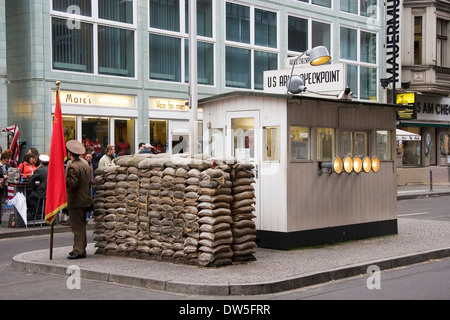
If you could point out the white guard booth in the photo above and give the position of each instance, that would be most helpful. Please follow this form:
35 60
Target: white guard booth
294 143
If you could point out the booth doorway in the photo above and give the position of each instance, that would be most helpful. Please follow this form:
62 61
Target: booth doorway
243 142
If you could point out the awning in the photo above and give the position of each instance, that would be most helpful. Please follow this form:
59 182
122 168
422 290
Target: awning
406 135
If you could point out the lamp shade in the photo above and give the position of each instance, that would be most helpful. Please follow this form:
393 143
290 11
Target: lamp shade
367 164
296 84
375 164
348 164
338 165
318 56
357 164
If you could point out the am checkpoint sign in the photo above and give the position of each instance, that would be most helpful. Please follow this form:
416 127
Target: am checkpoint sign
328 80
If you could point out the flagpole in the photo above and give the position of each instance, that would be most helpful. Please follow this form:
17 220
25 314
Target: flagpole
53 222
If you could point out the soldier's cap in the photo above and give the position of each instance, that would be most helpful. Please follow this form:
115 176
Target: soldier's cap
44 158
75 146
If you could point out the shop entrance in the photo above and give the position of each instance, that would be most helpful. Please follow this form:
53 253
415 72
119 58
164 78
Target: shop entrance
243 143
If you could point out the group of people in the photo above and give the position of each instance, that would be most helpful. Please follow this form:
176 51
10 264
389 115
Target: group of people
79 183
33 169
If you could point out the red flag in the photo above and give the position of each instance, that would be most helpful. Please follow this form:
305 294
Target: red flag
15 149
56 179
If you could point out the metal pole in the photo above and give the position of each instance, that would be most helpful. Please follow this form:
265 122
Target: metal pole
431 180
193 93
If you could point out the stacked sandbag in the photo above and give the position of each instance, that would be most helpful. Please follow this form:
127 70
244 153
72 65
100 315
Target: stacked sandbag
215 218
190 216
107 192
175 208
99 212
242 213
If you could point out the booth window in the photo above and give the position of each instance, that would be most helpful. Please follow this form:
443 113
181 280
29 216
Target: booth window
300 144
384 145
354 143
326 144
271 144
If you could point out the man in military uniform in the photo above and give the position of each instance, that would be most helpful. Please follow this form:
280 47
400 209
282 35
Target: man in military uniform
78 177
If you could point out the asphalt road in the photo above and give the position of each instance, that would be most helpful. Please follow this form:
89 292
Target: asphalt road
423 281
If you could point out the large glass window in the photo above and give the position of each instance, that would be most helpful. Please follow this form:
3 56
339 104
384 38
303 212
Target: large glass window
168 41
124 136
349 45
359 51
350 6
79 7
367 8
259 48
265 28
159 135
116 10
115 51
300 143
321 34
204 17
81 42
326 144
238 23
297 34
205 62
165 15
238 67
70 128
72 47
263 61
165 58
95 132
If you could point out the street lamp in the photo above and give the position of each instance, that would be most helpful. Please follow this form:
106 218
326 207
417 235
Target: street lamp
317 56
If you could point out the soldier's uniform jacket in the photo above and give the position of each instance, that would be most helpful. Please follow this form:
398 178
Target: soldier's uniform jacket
78 184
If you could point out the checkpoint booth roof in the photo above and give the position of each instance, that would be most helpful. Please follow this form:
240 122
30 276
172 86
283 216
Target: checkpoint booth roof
288 138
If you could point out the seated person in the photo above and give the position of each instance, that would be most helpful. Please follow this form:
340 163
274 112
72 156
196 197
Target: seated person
38 182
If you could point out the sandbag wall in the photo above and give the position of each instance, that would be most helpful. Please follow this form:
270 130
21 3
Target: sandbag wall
174 208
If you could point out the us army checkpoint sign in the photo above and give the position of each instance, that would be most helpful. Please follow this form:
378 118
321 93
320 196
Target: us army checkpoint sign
329 79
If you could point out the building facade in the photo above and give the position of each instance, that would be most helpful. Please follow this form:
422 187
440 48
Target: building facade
426 86
123 65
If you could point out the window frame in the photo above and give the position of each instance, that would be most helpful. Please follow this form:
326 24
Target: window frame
183 36
95 21
251 46
359 64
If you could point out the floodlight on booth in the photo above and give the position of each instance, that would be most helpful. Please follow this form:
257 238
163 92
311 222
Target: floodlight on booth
367 164
376 164
348 164
357 164
335 166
